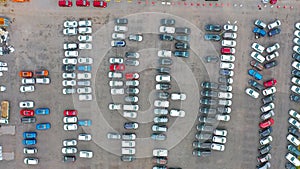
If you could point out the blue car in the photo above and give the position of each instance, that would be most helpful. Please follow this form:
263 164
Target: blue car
29 141
43 126
261 32
274 32
42 111
184 54
212 37
29 135
255 74
86 68
84 122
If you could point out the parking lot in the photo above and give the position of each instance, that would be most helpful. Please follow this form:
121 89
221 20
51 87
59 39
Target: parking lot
37 38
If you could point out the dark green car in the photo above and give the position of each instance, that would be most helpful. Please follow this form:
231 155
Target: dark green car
293 150
166 37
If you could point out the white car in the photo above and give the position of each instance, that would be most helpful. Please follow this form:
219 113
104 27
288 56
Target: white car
115 75
297 33
84 83
267 107
70 24
272 48
85 38
4 69
116 60
31 161
118 36
84 76
69 150
297 25
70 46
257 47
296 65
84 137
68 120
130 114
228 27
163 78
132 99
229 35
26 104
272 56
3 64
119 28
296 49
220 132
85 60
225 102
85 46
84 90
71 53
85 97
293 140
70 127
269 91
274 24
117 91
69 91
30 150
260 24
177 113
264 158
164 53
70 31
294 122
85 23
161 103
159 152
219 139
227 58
296 81
224 95
178 96
24 89
294 114
296 41
69 82
114 106
85 30
69 143
128 143
165 29
228 43
217 147
266 140
128 151
86 154
72 61
28 81
225 65
293 159
258 57
69 75
114 83
43 80
252 93
135 37
222 117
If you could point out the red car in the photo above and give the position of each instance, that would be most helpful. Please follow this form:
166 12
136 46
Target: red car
132 76
228 50
25 112
82 3
273 2
117 67
65 3
266 123
270 83
70 113
101 4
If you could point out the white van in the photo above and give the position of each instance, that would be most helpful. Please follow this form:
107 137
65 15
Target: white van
128 151
131 107
128 143
160 152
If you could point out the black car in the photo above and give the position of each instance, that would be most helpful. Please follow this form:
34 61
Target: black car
265 132
296 56
198 144
296 72
127 158
167 22
209 93
295 98
182 45
212 27
271 64
209 85
201 153
163 95
28 120
165 70
69 68
268 99
265 149
255 84
69 159
166 37
183 30
208 111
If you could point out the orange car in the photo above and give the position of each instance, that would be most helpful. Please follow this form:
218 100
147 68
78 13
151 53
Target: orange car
41 73
28 74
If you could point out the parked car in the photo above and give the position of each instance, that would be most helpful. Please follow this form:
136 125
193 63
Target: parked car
132 62
225 50
118 43
269 91
25 89
226 72
265 132
43 126
85 38
166 37
225 88
260 24
255 84
229 35
70 24
266 140
291 138
213 27
251 92
220 132
65 3
166 29
26 104
272 56
31 161
84 122
167 22
259 32
86 154
70 127
135 37
268 99
259 48
30 150
161 119
84 137
209 85
267 115
217 147
202 152
274 24
27 112
206 101
131 125
267 123
184 54
209 93
227 58
274 31
212 37
293 159
228 43
273 48
29 135
258 57
222 117
255 74
208 111
267 107
42 111
183 38
226 80
265 149
228 27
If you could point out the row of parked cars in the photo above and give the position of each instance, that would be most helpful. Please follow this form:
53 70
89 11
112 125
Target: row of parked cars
83 3
73 62
296 66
